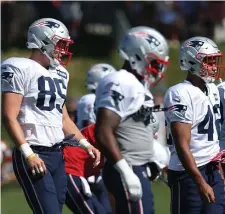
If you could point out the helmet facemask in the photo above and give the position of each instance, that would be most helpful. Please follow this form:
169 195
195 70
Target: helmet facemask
61 50
155 69
212 67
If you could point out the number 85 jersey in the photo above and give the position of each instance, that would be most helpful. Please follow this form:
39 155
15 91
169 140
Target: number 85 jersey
186 103
44 94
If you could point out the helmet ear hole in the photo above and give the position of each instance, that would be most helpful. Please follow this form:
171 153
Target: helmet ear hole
192 63
138 57
45 42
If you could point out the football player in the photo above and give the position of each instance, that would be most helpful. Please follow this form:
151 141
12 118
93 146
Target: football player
191 117
85 106
123 130
98 202
79 166
221 88
34 93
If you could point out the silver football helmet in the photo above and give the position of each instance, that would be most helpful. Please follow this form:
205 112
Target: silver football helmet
96 72
201 56
147 51
52 38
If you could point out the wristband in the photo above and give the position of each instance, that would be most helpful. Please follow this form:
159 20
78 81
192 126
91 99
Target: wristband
26 150
122 167
84 143
31 156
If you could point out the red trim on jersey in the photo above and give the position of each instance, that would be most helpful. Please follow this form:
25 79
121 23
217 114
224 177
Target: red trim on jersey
77 161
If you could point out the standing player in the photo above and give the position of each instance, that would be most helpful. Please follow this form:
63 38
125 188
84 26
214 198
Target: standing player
221 88
74 156
85 106
192 117
123 129
34 93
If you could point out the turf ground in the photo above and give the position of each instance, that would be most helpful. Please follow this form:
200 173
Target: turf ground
13 200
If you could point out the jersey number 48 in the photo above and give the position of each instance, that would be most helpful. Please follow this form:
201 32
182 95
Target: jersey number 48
206 126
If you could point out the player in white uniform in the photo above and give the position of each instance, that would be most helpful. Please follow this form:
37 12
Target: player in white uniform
85 106
191 117
123 128
85 117
34 92
221 88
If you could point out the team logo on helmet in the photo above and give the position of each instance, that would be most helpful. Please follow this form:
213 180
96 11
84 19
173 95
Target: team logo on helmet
49 24
149 38
195 44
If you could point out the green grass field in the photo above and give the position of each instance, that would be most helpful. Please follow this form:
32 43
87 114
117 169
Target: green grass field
13 201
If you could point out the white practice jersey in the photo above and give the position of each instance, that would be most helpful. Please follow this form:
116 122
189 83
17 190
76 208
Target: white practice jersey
123 94
188 104
221 88
44 94
85 110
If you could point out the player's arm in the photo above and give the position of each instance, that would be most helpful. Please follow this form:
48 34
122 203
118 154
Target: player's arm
181 133
11 103
106 125
69 128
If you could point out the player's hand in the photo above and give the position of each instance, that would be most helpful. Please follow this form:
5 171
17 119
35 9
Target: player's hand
129 179
36 165
133 185
94 153
206 192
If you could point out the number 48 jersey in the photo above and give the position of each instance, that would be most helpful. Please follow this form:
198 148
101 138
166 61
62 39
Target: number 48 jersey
44 94
188 104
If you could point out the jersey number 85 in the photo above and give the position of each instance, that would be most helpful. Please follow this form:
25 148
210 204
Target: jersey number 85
55 85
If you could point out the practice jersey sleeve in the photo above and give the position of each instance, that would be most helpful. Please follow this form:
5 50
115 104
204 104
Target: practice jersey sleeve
121 94
12 79
178 106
